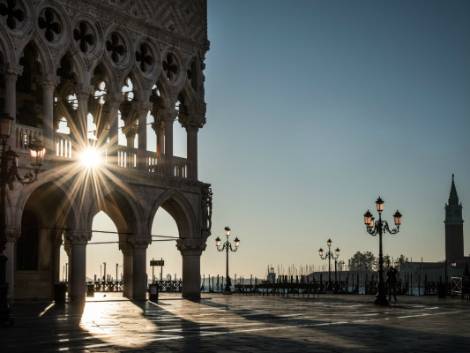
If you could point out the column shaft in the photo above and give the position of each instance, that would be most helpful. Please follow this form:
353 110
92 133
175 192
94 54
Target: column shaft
169 146
82 123
48 112
77 269
160 131
10 267
139 273
111 109
10 101
192 151
127 273
191 276
142 139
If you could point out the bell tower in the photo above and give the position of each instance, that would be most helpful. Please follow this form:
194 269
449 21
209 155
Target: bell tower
453 226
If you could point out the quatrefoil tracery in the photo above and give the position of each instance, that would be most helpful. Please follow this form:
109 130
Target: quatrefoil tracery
49 22
84 36
13 12
144 57
170 67
116 47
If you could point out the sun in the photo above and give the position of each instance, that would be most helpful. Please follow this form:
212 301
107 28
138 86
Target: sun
90 158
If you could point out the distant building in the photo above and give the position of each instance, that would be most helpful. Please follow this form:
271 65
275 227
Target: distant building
453 227
455 261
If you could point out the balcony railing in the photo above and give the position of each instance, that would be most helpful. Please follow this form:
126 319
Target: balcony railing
153 163
24 135
122 157
180 167
126 157
63 146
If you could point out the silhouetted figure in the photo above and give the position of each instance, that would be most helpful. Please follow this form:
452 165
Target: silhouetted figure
392 281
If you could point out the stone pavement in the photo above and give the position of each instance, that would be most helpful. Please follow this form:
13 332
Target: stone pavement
241 324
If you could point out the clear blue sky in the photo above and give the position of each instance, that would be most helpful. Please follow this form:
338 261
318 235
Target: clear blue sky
315 108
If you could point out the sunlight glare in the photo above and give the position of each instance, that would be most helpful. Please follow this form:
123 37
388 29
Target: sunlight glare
90 158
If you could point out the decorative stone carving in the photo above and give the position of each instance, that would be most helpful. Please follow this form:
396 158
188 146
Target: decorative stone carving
206 210
14 13
139 242
84 35
77 237
171 67
177 16
191 246
144 57
116 47
50 24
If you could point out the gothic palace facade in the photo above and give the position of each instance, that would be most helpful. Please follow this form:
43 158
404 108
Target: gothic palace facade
81 72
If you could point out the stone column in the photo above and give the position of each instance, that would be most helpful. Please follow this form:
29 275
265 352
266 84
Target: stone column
168 117
56 243
82 124
159 128
191 133
112 108
10 265
127 270
48 88
77 269
139 269
191 250
10 101
142 151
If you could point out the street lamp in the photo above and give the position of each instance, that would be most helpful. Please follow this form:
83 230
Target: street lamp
329 255
227 246
8 175
381 227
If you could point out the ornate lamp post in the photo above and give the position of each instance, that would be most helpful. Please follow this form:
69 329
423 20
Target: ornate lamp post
227 246
381 227
329 255
8 175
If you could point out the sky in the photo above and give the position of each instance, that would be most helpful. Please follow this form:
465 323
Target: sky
314 108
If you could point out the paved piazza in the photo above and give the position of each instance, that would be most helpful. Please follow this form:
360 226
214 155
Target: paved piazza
242 324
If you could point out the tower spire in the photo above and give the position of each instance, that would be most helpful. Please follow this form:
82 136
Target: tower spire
453 196
454 226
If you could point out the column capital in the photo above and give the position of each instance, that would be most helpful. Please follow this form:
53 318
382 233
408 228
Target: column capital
84 90
13 70
143 107
48 85
139 243
77 237
167 114
191 246
50 80
11 234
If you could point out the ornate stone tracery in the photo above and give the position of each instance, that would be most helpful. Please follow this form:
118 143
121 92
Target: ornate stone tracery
116 47
14 13
50 24
84 35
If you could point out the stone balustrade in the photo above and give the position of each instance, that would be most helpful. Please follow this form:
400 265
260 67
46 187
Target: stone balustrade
122 156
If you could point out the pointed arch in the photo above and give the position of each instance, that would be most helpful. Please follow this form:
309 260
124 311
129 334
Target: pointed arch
103 72
7 50
178 206
47 63
51 202
122 210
